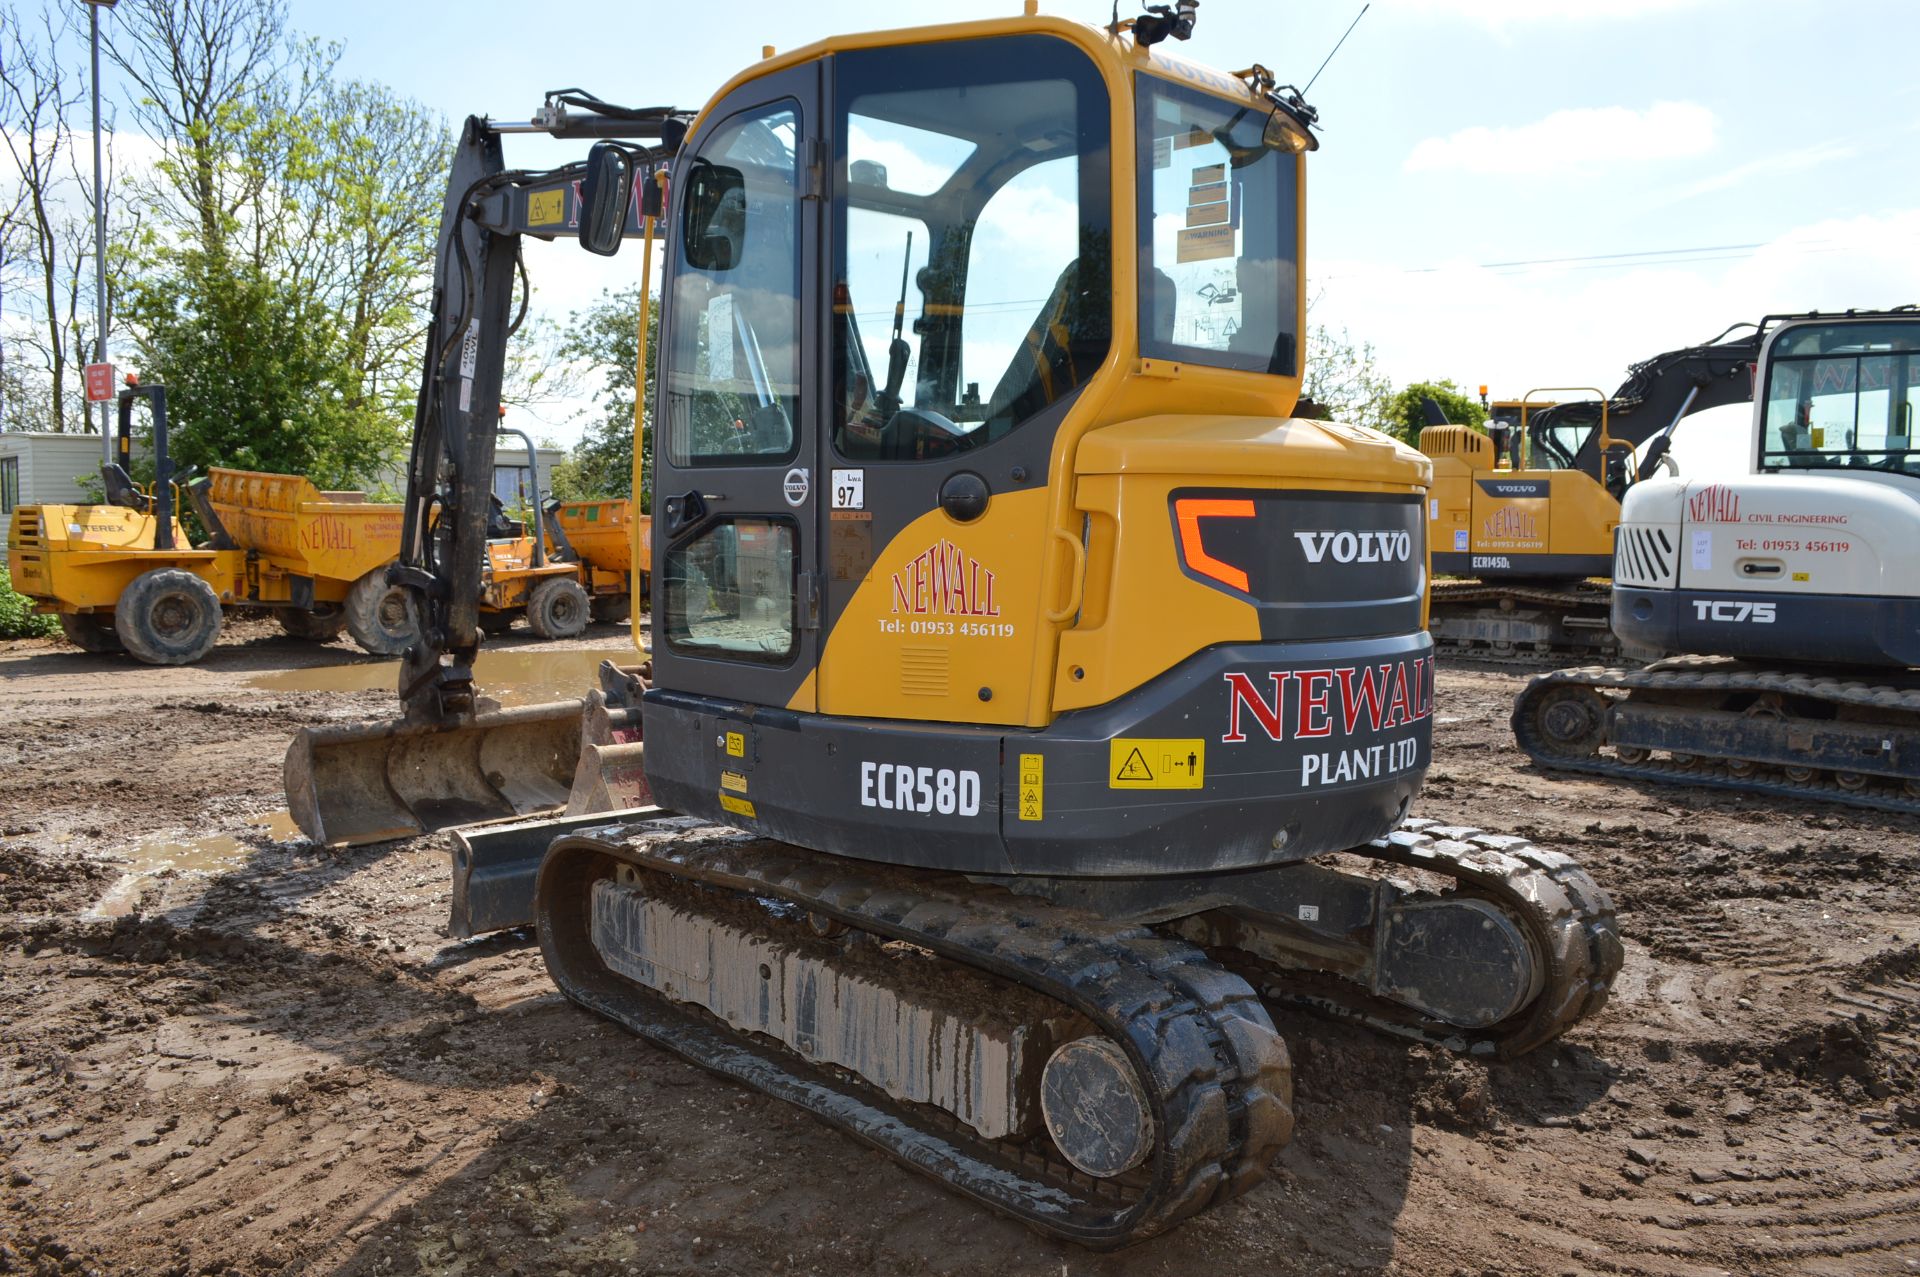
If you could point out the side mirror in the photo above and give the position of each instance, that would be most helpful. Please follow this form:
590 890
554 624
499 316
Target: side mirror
605 195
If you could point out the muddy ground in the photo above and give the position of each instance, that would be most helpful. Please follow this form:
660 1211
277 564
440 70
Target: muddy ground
225 1051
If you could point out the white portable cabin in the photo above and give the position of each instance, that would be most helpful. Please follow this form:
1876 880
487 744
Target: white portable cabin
41 468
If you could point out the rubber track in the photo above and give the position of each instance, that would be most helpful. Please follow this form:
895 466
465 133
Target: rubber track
1568 916
1201 1040
1710 675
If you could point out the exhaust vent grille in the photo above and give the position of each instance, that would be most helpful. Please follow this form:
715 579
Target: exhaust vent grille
924 671
27 529
1645 556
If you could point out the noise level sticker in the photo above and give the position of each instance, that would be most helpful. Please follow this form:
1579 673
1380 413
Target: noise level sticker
1138 763
1033 775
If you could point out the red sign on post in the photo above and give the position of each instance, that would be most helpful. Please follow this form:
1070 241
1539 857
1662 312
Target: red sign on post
99 383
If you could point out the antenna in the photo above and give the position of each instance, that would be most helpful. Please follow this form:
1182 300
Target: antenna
1337 43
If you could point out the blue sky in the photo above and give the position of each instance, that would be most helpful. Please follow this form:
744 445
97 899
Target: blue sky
1459 134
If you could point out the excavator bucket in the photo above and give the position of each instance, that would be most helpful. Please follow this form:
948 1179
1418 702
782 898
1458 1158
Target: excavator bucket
354 783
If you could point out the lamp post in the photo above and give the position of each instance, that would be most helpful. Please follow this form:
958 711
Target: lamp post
100 230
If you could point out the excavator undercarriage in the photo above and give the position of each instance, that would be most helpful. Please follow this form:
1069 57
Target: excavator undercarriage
1725 724
1092 1074
1524 623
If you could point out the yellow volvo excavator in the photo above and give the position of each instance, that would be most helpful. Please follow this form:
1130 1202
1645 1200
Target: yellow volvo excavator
1527 548
1017 658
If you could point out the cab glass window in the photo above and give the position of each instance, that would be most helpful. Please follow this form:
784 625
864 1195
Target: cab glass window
729 591
1843 395
1219 233
973 278
733 369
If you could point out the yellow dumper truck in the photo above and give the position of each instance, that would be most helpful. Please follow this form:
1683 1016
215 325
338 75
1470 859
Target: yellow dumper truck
123 576
580 569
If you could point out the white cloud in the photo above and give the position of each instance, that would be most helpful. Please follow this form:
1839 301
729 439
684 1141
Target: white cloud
1582 324
1581 141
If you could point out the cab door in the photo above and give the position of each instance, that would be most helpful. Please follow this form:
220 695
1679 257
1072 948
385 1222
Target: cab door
736 433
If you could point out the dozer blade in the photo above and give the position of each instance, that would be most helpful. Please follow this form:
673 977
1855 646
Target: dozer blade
355 783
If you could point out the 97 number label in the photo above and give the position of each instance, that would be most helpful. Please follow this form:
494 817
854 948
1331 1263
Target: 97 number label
849 489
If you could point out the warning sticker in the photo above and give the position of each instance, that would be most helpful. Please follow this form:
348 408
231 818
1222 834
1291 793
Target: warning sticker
734 781
737 744
1204 243
1033 775
738 806
547 208
1138 763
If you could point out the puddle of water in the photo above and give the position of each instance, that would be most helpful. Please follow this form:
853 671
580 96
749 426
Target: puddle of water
201 855
279 826
150 859
119 899
513 676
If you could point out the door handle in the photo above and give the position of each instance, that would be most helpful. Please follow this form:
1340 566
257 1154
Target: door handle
684 511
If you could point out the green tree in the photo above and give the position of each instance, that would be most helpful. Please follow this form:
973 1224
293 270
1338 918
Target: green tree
1407 418
256 373
46 232
605 337
1344 381
284 202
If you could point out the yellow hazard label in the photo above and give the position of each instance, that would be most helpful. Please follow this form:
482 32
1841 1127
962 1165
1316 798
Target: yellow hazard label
1803 576
547 208
734 781
737 744
1137 763
1033 778
738 806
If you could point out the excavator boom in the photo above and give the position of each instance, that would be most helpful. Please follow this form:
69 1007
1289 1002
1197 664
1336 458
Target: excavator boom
450 759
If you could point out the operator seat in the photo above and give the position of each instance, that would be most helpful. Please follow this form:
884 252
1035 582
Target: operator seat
1061 349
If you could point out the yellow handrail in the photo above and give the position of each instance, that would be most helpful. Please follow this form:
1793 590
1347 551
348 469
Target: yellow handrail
1526 401
640 420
